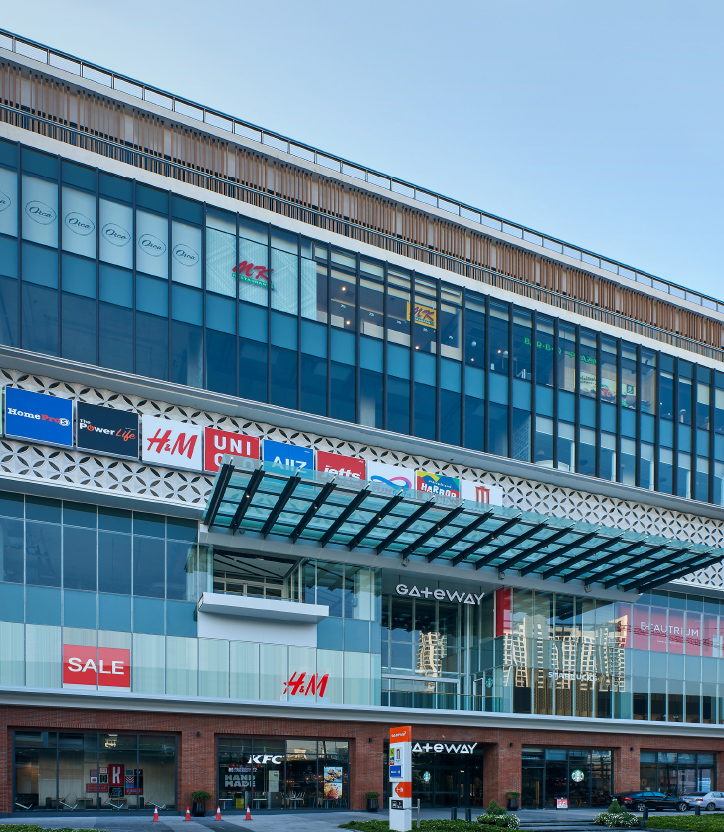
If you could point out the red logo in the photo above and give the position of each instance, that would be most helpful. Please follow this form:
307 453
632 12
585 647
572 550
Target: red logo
181 446
304 685
220 442
106 666
403 789
245 271
345 466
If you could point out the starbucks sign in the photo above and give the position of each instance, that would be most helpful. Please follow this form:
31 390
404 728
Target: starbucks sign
577 775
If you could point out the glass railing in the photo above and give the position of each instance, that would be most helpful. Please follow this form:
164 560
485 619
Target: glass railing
427 198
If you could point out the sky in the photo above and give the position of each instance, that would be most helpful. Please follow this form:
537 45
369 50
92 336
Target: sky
599 123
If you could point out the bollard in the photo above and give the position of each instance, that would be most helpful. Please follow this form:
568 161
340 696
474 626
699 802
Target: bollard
697 810
454 813
645 813
469 814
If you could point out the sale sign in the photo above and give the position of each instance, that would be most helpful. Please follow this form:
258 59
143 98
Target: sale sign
102 666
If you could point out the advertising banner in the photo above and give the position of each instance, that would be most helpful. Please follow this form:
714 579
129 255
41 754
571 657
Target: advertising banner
439 485
38 417
105 667
279 453
386 477
172 443
345 466
116 779
400 770
333 786
220 442
478 492
107 430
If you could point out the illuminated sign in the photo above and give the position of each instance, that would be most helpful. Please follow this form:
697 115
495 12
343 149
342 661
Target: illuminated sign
220 442
303 685
291 456
38 417
259 275
345 466
167 442
443 747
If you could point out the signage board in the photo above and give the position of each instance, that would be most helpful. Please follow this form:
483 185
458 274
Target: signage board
462 597
345 466
387 478
561 803
103 667
219 442
438 484
400 769
38 417
107 430
478 492
291 456
167 442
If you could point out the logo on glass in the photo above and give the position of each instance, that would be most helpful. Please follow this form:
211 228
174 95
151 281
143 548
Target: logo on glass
185 255
80 224
40 212
151 245
5 201
115 234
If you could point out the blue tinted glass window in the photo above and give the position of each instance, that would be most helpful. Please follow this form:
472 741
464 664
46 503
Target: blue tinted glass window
114 612
148 616
253 322
79 275
79 514
151 346
152 198
149 525
284 377
314 385
185 209
152 295
116 285
252 370
187 305
78 175
78 328
179 564
114 563
115 186
40 319
12 602
42 605
9 153
180 619
221 314
79 558
114 519
42 554
9 312
178 528
115 337
42 508
79 609
330 634
8 256
220 361
356 636
11 550
40 265
11 505
149 567
186 357
41 163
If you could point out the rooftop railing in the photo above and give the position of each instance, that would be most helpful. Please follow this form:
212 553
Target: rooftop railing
222 121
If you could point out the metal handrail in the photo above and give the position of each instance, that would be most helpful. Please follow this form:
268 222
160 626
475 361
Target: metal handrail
223 121
549 296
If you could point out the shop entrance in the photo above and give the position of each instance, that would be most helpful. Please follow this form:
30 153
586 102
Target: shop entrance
442 778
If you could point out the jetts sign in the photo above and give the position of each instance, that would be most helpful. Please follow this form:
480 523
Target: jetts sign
439 594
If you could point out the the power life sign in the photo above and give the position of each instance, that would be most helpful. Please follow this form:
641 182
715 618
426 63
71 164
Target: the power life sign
401 778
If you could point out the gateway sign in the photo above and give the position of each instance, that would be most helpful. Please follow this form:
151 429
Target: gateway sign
443 747
439 594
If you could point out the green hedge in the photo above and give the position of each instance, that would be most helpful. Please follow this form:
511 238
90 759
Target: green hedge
425 826
689 823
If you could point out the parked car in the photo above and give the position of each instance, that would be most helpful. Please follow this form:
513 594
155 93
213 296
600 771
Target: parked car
635 801
704 800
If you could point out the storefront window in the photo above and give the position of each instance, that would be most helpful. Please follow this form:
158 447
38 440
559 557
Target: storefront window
676 773
584 777
85 771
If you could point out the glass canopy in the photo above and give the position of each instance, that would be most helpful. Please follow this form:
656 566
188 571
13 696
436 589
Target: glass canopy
331 510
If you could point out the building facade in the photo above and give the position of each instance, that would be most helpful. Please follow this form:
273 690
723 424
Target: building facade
294 452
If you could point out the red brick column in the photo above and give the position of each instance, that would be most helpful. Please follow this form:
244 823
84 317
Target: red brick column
627 765
502 769
196 763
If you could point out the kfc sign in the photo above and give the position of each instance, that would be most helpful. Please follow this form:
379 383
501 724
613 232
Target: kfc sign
104 667
220 442
345 466
166 442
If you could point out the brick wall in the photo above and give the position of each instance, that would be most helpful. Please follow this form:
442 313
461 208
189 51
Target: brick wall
197 754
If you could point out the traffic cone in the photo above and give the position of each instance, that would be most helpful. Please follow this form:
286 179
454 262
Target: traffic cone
188 814
248 813
218 813
155 813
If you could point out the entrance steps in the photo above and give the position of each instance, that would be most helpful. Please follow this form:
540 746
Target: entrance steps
559 825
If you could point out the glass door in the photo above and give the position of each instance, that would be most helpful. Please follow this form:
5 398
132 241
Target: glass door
447 786
532 794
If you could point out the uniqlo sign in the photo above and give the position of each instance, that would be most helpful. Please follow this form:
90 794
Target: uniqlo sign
167 442
345 466
220 442
105 667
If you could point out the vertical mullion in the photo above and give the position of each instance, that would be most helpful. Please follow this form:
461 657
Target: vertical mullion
675 440
556 362
657 422
59 249
712 411
463 315
268 311
385 306
511 315
438 358
618 468
638 418
577 398
486 365
329 330
299 319
411 382
598 402
357 321
533 380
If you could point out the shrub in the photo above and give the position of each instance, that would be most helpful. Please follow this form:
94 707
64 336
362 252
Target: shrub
617 818
370 795
504 821
200 796
494 809
615 808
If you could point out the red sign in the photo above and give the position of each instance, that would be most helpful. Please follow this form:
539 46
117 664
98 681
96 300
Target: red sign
115 776
345 466
106 666
403 789
304 685
96 787
220 442
246 271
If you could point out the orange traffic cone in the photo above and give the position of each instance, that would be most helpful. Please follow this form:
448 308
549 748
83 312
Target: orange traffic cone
188 814
248 813
218 813
155 813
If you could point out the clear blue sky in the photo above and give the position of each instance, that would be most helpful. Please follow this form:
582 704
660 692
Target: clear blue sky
600 123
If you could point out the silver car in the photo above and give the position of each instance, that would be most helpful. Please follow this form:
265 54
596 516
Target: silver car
704 800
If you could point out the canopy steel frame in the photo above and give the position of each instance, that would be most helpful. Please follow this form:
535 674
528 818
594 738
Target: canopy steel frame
317 503
246 498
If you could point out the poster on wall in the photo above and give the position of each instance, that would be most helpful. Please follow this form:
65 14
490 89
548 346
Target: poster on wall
333 786
38 417
167 442
107 430
438 484
385 477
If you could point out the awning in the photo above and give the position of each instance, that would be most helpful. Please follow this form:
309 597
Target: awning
330 510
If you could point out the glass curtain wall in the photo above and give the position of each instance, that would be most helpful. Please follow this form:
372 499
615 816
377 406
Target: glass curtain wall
677 773
106 271
583 776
